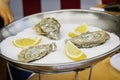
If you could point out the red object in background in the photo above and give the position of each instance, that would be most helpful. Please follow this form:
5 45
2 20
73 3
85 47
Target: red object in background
34 6
31 7
71 4
110 1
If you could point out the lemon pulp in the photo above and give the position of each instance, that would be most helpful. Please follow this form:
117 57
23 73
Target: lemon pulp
73 34
73 52
25 42
83 28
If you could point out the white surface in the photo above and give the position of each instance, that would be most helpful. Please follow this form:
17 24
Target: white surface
49 5
17 8
97 9
9 50
86 4
115 61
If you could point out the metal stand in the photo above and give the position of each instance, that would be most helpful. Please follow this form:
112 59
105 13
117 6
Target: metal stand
9 71
89 77
39 74
90 73
76 74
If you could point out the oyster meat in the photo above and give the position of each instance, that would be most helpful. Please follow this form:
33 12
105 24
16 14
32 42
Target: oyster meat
36 52
90 39
49 27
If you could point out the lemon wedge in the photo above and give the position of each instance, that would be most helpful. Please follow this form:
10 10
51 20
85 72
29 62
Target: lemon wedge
74 52
83 28
73 34
26 41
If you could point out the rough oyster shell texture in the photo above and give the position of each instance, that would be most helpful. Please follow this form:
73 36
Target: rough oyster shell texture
49 27
36 52
90 39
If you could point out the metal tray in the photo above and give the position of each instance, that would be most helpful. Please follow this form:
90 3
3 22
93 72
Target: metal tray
74 16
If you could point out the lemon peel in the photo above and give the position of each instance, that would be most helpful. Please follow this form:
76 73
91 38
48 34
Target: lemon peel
74 52
26 41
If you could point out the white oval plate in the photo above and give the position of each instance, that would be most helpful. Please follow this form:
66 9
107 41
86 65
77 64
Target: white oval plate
115 61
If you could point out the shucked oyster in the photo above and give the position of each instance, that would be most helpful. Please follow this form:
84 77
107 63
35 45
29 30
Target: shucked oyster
49 27
36 52
90 39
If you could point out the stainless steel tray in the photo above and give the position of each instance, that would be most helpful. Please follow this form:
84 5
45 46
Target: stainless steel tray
74 16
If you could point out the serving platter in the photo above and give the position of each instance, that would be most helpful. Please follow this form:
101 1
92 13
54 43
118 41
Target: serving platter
68 19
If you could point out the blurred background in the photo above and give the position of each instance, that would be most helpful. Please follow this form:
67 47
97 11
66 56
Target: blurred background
23 8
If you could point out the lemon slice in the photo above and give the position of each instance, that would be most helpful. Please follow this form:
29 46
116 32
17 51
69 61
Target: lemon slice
26 41
83 28
73 34
74 52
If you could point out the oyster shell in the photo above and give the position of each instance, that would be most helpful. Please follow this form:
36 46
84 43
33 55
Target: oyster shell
49 27
90 39
36 52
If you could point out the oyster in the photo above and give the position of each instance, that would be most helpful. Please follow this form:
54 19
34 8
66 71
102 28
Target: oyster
49 27
36 52
90 39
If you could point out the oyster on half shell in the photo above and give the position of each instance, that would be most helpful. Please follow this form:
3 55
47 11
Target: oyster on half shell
49 27
36 52
90 39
